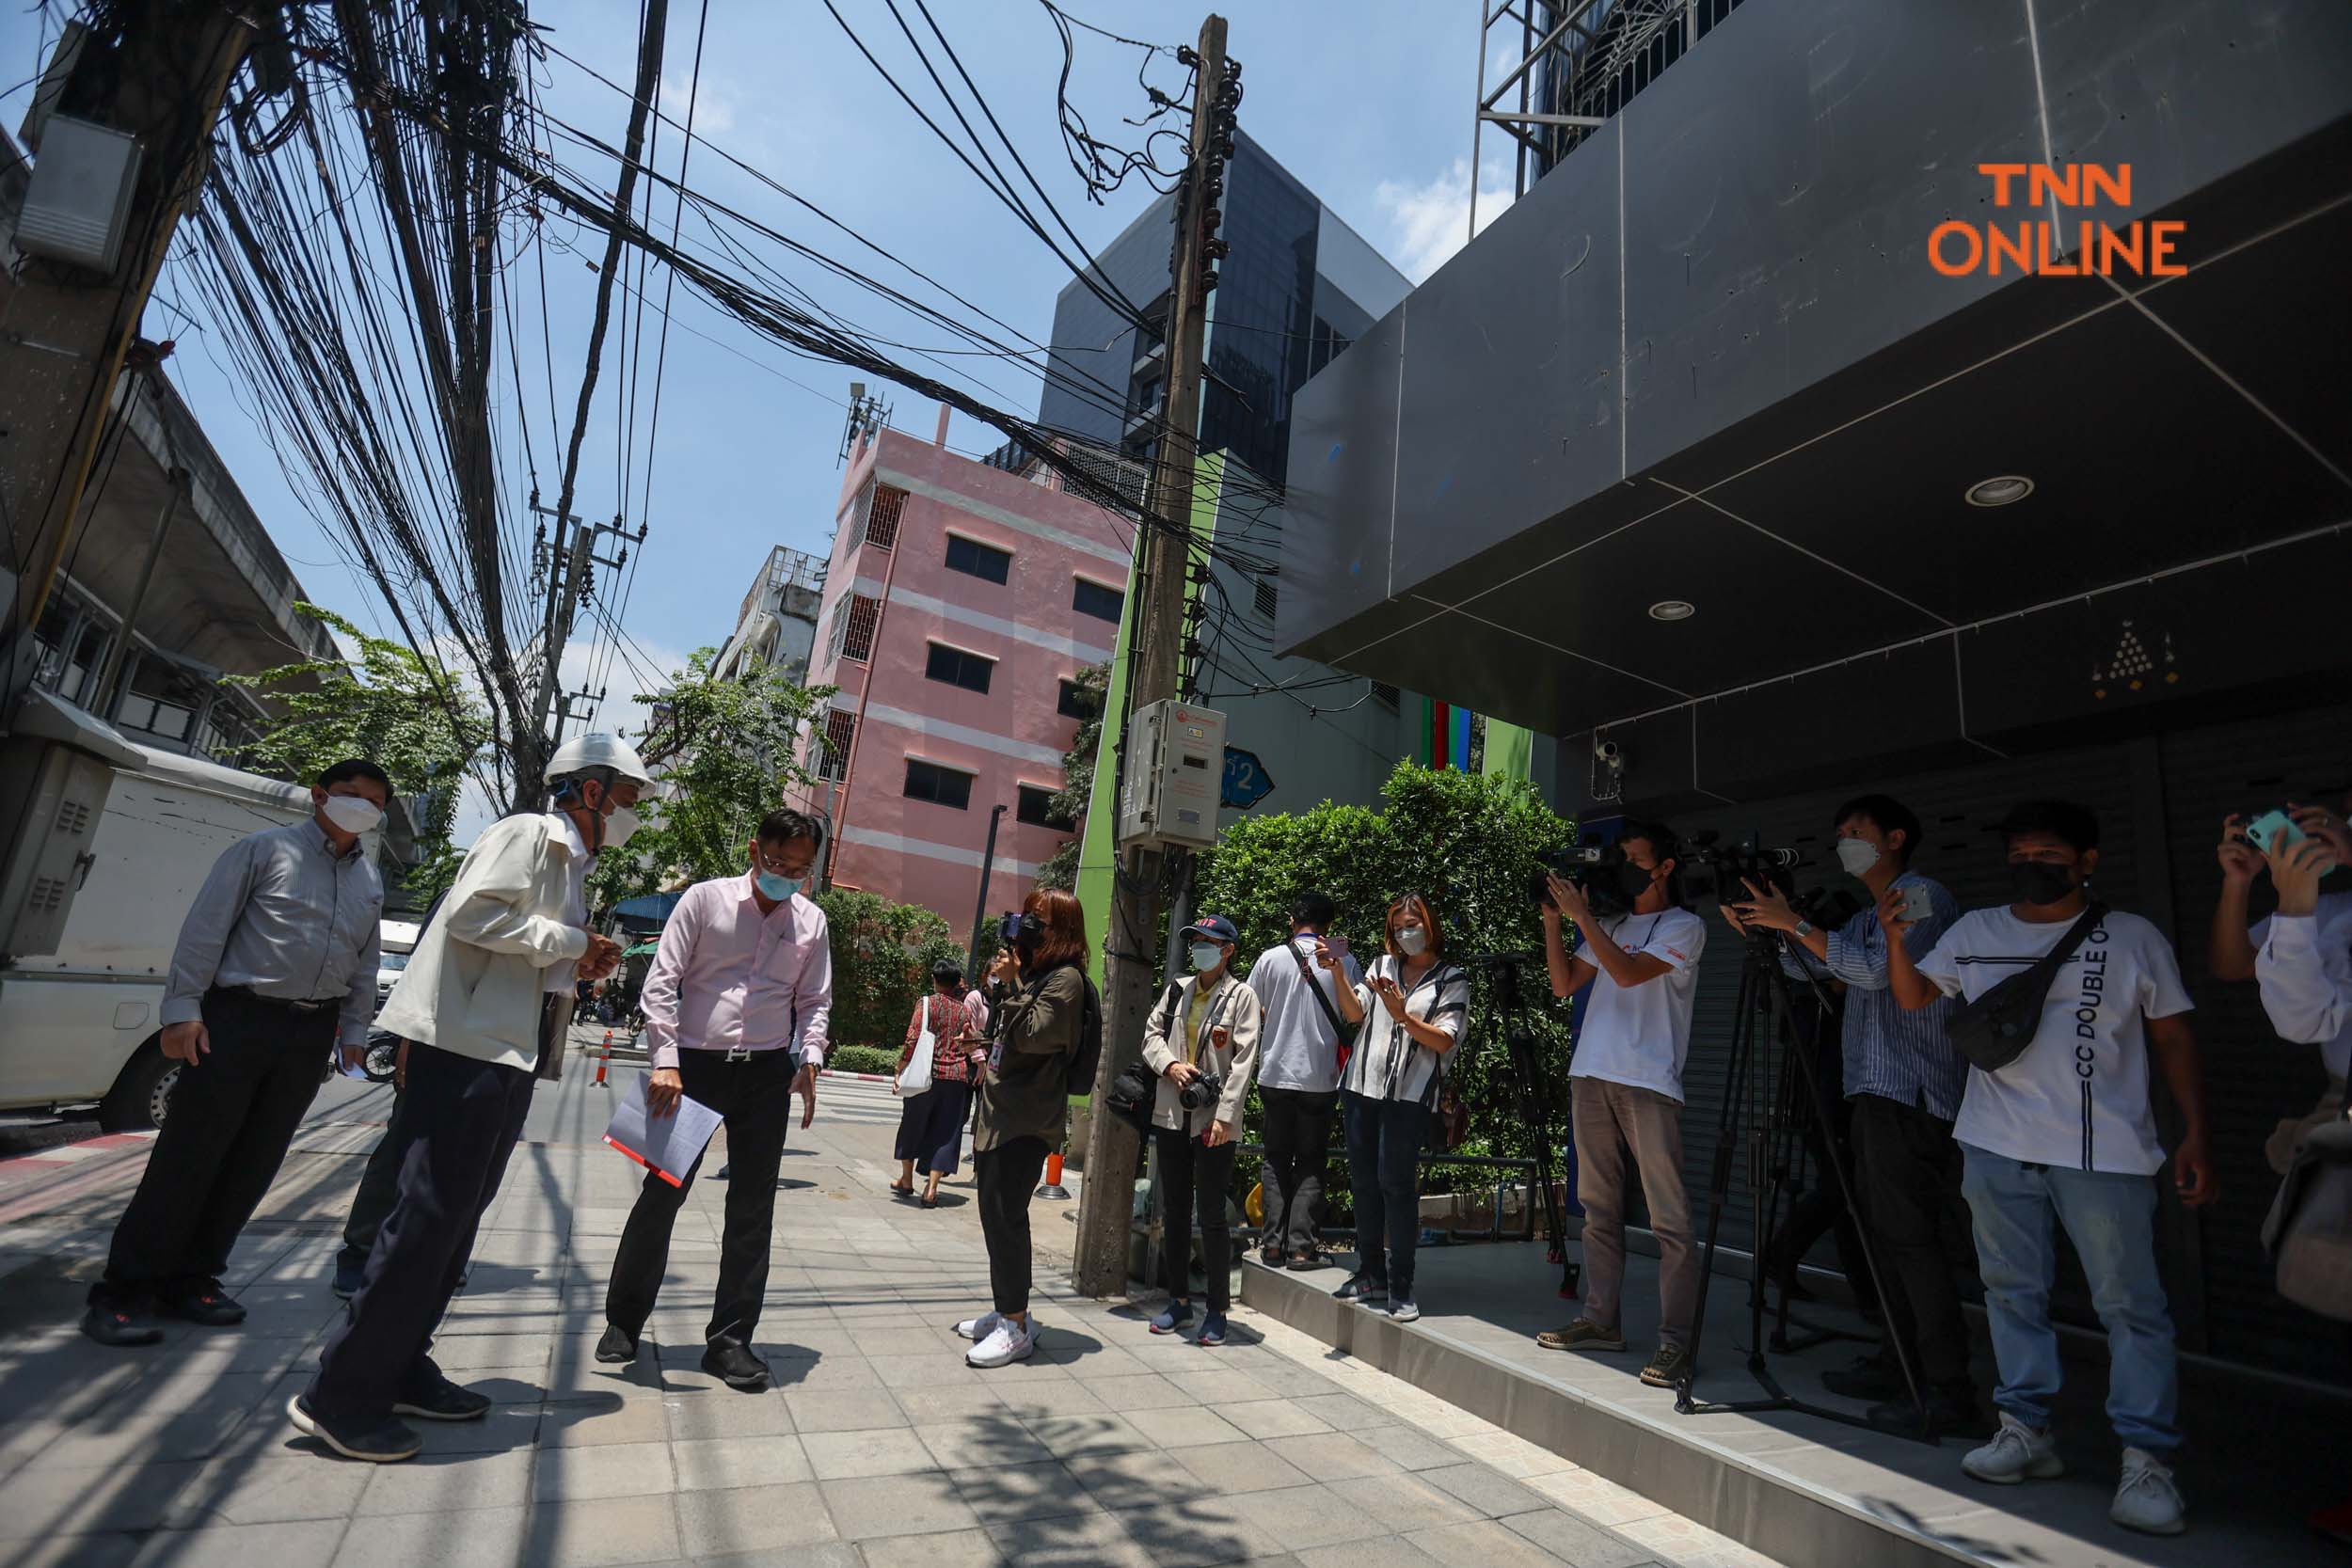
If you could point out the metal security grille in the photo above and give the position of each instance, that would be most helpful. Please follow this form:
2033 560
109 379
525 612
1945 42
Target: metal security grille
850 632
831 760
1264 597
881 517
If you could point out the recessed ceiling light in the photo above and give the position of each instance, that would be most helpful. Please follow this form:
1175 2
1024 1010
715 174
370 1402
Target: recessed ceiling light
2000 491
1673 610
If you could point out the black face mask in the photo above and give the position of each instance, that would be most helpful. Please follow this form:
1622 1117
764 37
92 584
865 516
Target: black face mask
2039 882
1634 880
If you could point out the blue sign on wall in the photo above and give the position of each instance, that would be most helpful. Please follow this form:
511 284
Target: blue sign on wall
1246 781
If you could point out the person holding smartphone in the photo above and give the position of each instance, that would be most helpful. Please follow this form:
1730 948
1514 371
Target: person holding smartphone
1903 1080
1298 982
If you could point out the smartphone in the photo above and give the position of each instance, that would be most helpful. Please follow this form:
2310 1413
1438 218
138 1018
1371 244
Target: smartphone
1918 902
2261 830
1337 943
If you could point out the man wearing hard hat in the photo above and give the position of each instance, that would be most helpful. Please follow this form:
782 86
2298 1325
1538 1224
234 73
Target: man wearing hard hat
484 1003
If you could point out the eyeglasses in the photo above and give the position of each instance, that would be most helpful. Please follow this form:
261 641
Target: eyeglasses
777 867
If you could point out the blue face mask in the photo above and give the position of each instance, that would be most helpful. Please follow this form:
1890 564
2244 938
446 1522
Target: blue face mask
777 887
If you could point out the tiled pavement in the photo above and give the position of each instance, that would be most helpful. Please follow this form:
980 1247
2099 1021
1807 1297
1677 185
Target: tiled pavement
879 1445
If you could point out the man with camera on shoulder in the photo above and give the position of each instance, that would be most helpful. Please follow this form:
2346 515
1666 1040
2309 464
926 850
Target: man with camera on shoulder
1202 1042
1904 1081
1626 1082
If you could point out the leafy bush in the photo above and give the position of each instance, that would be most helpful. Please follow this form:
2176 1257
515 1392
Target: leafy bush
864 1058
883 954
1466 841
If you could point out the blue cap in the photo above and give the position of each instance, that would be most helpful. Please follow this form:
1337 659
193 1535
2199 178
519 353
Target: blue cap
1213 927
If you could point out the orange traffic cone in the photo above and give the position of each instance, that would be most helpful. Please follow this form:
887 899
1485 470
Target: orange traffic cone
604 1060
1053 1187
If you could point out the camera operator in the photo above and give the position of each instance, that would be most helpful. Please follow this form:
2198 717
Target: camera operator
1204 1062
1904 1081
1626 1082
1298 1075
2293 967
2064 1132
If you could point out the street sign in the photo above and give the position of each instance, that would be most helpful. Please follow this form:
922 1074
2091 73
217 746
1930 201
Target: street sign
1246 781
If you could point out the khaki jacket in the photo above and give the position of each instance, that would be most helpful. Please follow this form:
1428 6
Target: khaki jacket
473 985
1233 1008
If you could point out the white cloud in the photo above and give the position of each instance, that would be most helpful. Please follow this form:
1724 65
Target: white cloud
713 104
1428 223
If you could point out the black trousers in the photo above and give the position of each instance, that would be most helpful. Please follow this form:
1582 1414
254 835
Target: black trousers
1194 1176
1909 1169
755 1096
379 1189
1385 1138
233 1111
1007 1176
1297 1143
462 1120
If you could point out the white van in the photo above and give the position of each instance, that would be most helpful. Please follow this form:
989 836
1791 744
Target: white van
81 1025
398 940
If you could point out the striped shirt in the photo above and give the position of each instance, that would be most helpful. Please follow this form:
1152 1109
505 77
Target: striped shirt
1388 1062
1902 1056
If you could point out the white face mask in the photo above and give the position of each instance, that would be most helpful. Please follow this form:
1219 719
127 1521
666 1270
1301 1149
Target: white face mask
620 826
353 814
1206 955
1410 940
1857 855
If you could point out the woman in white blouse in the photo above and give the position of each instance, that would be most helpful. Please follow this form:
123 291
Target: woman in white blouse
1413 1005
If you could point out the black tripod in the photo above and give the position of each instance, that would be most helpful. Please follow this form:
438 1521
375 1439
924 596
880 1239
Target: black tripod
1766 1013
1508 1018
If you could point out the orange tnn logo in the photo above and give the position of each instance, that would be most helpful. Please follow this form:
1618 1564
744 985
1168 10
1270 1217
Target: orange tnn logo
2082 247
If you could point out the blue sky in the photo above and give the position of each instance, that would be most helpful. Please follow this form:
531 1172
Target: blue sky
1368 103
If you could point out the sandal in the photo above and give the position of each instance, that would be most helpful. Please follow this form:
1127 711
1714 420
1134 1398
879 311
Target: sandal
929 1200
907 1191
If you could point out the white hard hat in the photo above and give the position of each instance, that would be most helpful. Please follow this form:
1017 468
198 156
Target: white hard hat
584 752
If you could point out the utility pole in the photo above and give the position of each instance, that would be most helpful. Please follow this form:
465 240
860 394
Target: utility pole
160 78
1106 1202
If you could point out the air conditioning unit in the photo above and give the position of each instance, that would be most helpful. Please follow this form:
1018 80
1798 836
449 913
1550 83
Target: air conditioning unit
1174 772
78 202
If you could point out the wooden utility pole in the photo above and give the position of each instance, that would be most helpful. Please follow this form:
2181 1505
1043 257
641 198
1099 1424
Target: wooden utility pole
1105 1201
162 80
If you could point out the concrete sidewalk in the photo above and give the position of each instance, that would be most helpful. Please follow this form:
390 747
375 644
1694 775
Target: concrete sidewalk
878 1447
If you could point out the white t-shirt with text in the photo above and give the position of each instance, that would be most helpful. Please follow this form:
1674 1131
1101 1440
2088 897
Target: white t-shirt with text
2077 1098
1640 1034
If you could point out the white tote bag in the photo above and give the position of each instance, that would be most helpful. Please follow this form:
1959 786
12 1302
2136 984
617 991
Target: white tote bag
916 1077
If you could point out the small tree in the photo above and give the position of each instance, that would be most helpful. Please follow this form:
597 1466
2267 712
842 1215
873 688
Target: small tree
1068 807
883 954
723 750
401 709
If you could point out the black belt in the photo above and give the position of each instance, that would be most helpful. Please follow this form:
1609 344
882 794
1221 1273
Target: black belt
291 1006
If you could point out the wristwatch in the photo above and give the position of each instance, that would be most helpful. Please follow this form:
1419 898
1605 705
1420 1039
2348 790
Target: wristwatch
1805 930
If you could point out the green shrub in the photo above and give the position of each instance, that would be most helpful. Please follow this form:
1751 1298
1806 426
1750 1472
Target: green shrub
883 954
863 1058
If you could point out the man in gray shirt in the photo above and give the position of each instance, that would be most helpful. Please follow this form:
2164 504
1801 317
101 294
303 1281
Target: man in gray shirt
276 959
1298 1076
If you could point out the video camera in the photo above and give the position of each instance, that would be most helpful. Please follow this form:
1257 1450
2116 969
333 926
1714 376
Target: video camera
1712 869
1596 868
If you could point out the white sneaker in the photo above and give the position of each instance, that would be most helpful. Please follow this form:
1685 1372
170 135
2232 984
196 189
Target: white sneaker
1006 1343
2146 1500
1402 1309
2017 1452
979 1327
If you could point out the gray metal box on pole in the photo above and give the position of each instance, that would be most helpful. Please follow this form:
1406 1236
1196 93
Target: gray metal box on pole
78 202
1175 769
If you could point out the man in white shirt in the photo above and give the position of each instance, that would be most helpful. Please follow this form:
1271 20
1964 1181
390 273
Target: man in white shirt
2312 925
2065 1132
1625 1078
1298 1077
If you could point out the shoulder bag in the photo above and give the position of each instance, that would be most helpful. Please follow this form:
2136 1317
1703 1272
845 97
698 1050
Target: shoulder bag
915 1077
1342 1031
1994 1029
2309 1233
1134 1091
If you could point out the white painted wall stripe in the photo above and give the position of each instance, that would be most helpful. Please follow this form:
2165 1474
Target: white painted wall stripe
1003 518
953 854
1085 653
961 734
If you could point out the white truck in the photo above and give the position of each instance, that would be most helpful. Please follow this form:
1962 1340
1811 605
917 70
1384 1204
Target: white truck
80 1024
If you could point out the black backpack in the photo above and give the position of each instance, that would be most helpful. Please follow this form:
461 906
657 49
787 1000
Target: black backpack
1079 1081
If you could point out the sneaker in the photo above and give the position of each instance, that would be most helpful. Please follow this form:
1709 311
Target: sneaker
1363 1290
386 1444
1173 1317
1584 1334
347 1280
444 1401
110 1327
1212 1329
208 1305
2017 1452
2146 1500
1869 1377
732 1362
1007 1342
617 1346
977 1329
1402 1308
1670 1366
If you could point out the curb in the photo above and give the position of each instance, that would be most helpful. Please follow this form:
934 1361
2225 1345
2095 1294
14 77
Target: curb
857 1077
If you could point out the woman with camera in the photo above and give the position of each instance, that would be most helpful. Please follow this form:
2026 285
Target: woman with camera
1418 1006
931 1123
1202 1042
1040 995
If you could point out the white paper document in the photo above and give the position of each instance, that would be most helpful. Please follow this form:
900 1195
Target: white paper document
667 1146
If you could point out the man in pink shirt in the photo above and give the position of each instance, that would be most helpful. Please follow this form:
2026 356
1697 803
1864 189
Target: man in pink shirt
736 1009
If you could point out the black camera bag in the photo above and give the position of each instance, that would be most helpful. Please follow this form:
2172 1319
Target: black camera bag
1994 1029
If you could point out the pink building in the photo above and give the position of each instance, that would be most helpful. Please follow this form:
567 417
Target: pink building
960 601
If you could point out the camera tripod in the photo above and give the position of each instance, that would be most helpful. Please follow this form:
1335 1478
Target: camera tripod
1766 1012
1508 1019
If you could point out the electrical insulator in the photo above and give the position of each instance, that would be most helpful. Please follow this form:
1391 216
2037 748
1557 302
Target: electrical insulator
1208 282
1213 220
1216 250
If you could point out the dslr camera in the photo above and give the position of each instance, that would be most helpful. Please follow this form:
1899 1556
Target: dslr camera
1204 1090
